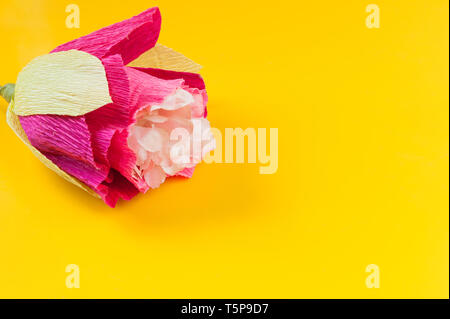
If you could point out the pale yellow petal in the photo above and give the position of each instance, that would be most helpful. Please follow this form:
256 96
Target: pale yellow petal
14 123
66 83
162 57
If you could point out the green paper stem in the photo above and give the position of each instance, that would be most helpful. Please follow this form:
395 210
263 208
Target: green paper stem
7 91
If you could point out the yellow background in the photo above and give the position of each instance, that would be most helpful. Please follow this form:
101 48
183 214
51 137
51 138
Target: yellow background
363 160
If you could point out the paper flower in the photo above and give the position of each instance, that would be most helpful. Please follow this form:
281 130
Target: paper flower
101 110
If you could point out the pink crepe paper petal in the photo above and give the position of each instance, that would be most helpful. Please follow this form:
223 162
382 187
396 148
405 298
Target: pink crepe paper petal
129 38
187 172
111 187
103 123
124 160
67 142
147 90
59 134
119 88
116 187
86 173
193 80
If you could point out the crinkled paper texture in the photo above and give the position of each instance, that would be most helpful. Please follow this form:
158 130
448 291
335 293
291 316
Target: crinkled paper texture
13 121
74 107
162 57
66 83
129 38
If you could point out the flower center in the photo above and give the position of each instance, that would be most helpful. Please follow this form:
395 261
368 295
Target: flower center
155 136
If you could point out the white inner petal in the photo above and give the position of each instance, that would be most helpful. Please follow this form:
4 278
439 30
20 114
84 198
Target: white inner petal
150 136
179 99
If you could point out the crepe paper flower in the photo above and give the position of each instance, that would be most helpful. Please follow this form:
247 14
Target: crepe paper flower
101 110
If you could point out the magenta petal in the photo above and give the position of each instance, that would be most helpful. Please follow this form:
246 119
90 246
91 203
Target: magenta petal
103 123
66 141
129 38
86 173
119 88
60 134
124 160
147 90
116 187
193 80
187 172
101 140
111 187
